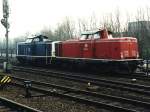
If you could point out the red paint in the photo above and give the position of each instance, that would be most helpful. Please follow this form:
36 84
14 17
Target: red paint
102 48
112 48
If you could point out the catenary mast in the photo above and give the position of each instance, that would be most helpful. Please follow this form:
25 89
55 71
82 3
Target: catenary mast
5 23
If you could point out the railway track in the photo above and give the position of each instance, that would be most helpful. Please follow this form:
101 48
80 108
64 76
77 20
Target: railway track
100 100
142 89
7 105
138 75
72 91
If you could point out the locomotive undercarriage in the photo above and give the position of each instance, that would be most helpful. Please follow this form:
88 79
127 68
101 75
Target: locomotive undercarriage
95 65
102 65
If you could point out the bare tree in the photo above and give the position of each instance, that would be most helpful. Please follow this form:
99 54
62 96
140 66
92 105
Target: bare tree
48 32
65 30
93 22
82 25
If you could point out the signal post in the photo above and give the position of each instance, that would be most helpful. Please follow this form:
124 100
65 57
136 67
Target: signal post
5 23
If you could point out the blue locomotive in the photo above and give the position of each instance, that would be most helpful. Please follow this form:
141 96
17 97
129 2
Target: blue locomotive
38 49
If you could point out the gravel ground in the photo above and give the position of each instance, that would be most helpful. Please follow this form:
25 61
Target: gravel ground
47 103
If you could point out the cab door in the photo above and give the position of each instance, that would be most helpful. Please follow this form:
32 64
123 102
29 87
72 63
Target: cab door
87 47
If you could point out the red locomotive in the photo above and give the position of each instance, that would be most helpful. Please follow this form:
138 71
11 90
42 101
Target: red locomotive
95 49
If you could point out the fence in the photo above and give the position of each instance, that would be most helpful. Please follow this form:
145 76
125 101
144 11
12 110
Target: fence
11 53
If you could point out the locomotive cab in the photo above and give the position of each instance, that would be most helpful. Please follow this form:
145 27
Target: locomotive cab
34 49
90 35
97 34
39 38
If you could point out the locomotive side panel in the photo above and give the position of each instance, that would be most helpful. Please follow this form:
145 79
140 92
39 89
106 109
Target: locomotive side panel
122 48
87 48
21 49
25 49
115 50
71 49
129 48
24 52
102 50
40 50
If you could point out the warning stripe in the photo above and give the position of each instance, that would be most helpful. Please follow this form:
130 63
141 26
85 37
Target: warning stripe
5 79
9 80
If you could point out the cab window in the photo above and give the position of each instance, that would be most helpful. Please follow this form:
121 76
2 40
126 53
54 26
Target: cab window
90 37
86 37
96 36
36 40
83 37
28 40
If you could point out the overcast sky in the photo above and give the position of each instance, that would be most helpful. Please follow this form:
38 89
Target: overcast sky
34 15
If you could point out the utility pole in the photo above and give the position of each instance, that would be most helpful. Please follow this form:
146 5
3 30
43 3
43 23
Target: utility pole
5 23
6 35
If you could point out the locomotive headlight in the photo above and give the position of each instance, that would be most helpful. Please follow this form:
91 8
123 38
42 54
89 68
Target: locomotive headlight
126 53
137 55
121 54
134 53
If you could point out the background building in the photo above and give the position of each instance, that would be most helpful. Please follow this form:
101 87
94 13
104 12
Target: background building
141 30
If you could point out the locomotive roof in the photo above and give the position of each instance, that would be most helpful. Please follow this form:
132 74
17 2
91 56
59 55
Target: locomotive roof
93 32
31 39
39 36
90 32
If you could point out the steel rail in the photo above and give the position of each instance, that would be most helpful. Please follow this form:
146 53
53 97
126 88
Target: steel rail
142 89
80 99
95 94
